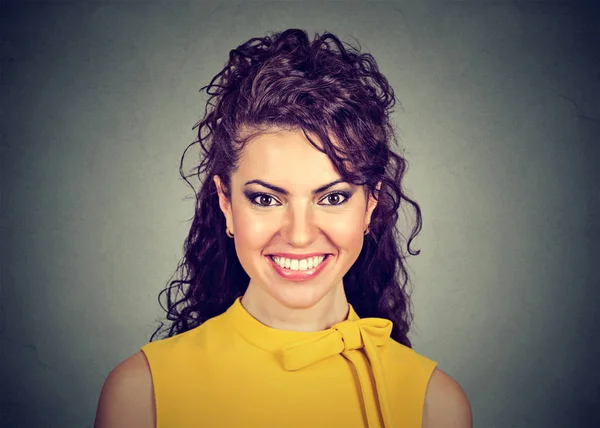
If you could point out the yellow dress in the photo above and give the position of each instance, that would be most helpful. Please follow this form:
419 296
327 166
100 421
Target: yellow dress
233 371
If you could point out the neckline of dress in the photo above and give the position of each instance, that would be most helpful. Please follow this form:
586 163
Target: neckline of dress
269 338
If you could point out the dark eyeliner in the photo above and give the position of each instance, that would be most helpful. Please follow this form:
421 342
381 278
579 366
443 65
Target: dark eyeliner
251 196
346 195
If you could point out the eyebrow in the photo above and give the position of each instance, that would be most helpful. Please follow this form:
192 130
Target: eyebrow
285 192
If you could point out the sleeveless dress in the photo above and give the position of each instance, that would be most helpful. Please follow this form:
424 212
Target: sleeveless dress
233 371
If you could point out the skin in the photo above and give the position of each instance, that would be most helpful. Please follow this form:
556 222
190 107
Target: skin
298 223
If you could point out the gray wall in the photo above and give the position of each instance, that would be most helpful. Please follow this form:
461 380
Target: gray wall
500 122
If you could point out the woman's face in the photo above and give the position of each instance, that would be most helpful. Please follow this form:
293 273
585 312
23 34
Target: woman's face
288 200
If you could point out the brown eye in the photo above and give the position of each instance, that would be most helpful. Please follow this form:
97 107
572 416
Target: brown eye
334 199
337 198
262 200
265 200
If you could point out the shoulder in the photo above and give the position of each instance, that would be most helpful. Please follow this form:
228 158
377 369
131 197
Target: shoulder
411 363
127 396
446 404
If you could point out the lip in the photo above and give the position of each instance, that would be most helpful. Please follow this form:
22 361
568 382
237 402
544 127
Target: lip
299 275
297 256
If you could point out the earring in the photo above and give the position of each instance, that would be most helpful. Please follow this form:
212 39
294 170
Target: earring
228 232
367 230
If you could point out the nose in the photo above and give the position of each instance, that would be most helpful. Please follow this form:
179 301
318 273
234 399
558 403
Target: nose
299 228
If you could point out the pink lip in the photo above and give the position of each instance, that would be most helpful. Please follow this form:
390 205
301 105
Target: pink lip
296 256
297 275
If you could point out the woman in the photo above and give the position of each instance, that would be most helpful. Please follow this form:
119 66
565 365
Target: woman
292 309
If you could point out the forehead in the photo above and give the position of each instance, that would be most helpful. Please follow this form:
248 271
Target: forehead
285 156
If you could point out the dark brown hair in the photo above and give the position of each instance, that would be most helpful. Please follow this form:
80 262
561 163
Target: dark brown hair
329 90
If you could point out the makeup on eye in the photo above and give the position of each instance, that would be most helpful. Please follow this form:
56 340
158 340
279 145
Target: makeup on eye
252 197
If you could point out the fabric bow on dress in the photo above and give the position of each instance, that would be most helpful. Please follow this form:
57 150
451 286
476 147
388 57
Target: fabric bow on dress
349 338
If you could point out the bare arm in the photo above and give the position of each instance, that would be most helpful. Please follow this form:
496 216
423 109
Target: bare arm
446 404
127 397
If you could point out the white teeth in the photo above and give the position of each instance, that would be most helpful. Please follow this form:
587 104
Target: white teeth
294 264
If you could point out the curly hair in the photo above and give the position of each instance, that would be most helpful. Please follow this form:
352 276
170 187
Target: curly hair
327 89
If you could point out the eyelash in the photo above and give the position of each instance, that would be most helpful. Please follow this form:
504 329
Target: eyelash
253 197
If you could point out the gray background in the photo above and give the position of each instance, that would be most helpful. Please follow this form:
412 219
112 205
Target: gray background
500 122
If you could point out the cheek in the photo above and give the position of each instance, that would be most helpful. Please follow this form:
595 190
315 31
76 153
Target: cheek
347 233
251 236
251 231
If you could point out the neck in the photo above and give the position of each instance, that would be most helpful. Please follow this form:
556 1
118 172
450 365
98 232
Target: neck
283 315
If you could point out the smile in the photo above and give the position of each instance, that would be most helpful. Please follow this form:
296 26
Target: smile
298 270
302 264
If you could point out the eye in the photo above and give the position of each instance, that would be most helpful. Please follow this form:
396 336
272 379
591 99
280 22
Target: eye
334 198
262 199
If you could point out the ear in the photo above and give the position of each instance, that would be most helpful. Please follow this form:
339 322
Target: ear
224 203
371 204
